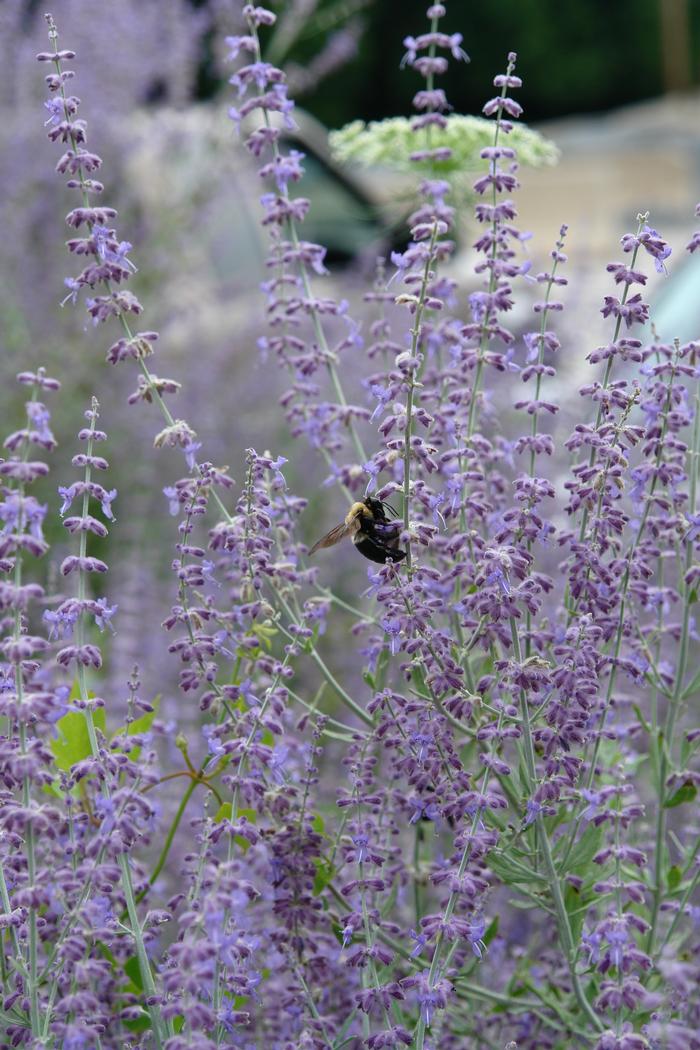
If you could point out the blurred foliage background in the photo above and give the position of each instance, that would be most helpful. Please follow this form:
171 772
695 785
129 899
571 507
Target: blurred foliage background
574 58
612 84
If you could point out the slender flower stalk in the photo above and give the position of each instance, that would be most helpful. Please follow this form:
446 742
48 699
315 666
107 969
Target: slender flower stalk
72 615
292 259
22 517
111 267
665 737
623 433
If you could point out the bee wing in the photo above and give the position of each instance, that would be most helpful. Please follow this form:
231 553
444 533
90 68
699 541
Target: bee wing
334 536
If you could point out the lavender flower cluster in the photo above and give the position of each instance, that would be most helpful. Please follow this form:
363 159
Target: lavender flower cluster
490 839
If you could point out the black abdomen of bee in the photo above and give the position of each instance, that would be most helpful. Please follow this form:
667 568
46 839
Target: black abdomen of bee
378 541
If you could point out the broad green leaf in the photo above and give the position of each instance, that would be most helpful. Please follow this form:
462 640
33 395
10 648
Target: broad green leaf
72 744
577 904
108 954
686 793
585 848
511 871
224 813
317 824
133 972
140 1025
324 875
673 879
491 930
134 987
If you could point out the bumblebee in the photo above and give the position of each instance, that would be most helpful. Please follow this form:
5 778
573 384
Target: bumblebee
373 533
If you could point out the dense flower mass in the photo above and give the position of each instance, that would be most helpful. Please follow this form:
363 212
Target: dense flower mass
468 824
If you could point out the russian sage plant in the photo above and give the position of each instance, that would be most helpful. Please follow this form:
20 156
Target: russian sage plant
488 838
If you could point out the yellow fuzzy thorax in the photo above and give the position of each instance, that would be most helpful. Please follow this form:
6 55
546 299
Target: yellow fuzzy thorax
357 510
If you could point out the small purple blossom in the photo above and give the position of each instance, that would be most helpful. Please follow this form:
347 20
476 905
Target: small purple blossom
393 629
190 448
475 935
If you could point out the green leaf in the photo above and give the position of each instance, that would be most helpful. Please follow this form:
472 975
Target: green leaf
577 905
673 879
640 717
418 677
108 954
338 932
511 871
265 632
224 813
491 931
692 688
685 752
135 987
133 972
686 793
324 875
654 682
655 746
585 848
140 1025
72 744
610 753
317 824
